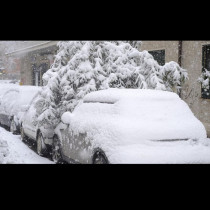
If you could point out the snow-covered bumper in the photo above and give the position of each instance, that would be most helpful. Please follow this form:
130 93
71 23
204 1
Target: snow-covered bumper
163 152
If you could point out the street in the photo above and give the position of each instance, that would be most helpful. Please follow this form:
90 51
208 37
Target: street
14 151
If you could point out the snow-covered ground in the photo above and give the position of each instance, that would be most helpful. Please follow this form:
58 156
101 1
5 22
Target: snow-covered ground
14 151
183 152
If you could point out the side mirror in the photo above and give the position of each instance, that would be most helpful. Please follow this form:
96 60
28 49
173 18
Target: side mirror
66 117
25 108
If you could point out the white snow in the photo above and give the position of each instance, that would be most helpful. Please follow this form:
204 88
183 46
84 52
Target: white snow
144 114
124 122
22 49
81 67
13 97
180 152
16 151
5 87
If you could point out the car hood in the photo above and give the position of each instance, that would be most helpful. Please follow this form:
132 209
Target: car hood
170 152
134 132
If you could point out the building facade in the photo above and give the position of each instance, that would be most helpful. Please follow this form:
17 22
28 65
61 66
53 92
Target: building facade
32 60
193 56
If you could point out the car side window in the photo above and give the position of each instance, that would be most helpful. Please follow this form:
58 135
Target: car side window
35 109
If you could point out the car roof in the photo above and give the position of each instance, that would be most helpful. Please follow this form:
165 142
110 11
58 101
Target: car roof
112 95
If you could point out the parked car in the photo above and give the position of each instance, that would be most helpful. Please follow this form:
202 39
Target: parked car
114 125
13 101
30 128
4 87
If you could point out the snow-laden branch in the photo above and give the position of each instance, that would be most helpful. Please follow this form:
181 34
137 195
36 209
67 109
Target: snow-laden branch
204 79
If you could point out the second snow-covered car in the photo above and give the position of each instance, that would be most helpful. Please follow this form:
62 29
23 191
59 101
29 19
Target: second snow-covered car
13 102
30 128
117 125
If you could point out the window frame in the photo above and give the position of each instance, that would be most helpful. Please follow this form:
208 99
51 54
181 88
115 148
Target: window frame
204 55
159 50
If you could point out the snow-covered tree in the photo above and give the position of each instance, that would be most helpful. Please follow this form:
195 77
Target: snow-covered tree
173 76
135 44
81 67
204 79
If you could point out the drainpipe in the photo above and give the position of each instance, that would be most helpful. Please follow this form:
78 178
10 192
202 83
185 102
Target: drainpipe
180 53
180 60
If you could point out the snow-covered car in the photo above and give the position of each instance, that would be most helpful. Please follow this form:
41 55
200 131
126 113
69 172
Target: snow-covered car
41 134
119 125
14 100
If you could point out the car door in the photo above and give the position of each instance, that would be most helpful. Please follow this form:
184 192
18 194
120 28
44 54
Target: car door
74 145
30 122
27 123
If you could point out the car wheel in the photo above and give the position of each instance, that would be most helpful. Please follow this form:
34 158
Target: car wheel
56 151
41 147
99 158
13 127
22 133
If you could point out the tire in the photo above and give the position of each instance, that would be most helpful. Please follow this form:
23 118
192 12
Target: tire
56 151
41 147
23 136
100 158
13 127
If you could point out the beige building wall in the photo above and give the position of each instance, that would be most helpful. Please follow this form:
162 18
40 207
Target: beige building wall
31 55
171 48
26 72
192 61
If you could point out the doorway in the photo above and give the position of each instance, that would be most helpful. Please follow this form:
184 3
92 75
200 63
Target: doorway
38 72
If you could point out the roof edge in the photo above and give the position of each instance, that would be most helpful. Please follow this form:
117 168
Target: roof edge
32 48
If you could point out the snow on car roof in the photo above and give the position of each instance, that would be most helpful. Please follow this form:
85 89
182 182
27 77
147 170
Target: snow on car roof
113 95
12 97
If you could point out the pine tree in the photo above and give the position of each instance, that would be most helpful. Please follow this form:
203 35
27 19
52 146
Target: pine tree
81 67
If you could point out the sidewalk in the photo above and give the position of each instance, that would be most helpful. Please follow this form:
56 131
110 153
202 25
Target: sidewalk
14 151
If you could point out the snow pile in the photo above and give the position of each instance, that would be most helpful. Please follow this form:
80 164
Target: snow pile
17 152
5 81
81 67
116 118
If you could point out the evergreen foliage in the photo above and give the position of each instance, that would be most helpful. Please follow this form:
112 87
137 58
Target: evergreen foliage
81 67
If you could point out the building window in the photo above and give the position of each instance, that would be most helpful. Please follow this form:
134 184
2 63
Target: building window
38 72
206 66
159 56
